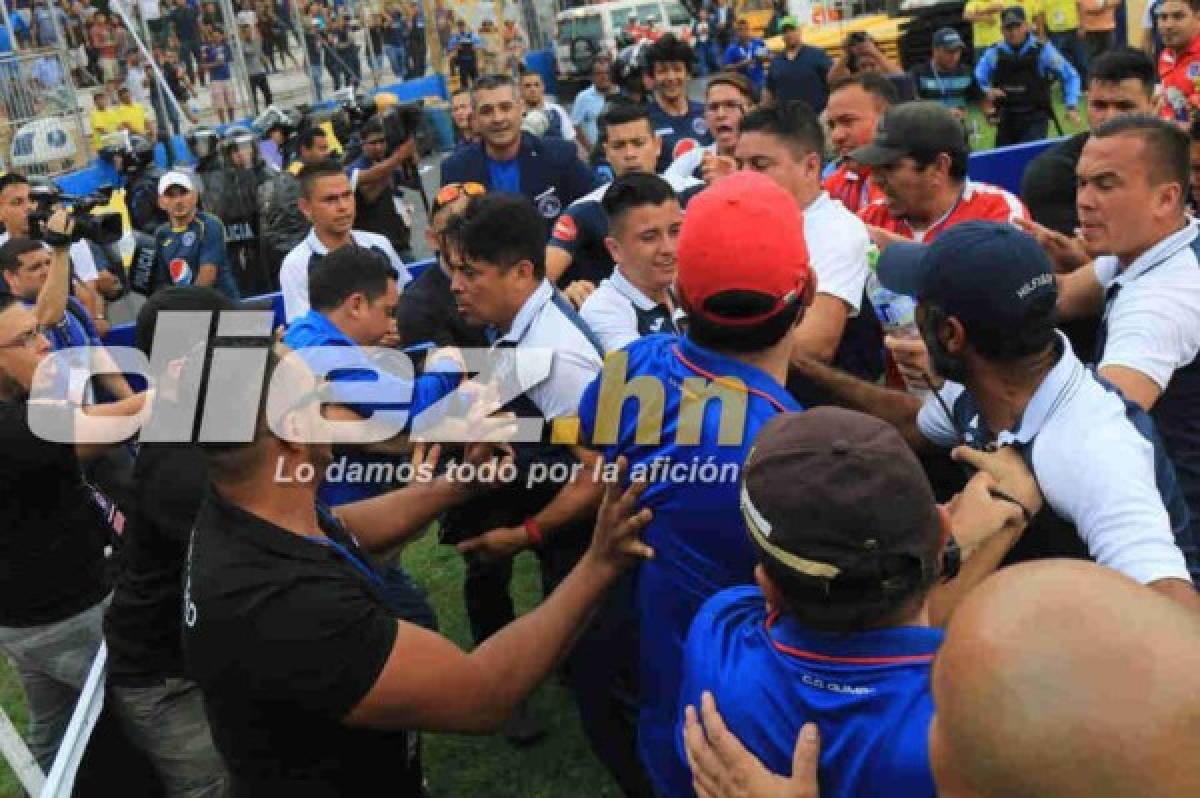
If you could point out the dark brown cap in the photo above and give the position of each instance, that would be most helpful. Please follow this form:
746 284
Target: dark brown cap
838 499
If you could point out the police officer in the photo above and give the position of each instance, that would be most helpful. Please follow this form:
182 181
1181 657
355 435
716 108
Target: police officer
548 172
134 162
204 143
1015 75
237 207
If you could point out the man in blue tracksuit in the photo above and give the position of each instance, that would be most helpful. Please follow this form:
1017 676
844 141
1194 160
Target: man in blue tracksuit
1015 76
548 173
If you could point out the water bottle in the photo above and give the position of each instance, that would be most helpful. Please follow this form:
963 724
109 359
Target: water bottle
897 313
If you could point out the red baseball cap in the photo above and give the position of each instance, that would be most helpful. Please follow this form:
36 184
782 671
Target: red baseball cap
744 233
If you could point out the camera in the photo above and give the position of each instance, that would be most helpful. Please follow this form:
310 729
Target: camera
103 228
401 121
857 37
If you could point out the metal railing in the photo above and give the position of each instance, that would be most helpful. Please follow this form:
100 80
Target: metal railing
42 130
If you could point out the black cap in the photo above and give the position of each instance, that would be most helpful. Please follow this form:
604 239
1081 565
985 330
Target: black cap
992 277
924 128
838 499
1012 16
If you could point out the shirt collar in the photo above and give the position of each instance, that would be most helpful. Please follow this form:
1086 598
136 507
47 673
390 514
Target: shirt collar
235 522
631 291
714 364
821 200
328 331
1057 386
525 316
318 247
1158 253
897 645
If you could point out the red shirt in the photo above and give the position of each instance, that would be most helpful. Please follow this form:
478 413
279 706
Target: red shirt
851 183
1179 73
981 202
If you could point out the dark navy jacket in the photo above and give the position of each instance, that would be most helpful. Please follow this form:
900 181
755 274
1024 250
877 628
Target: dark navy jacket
552 176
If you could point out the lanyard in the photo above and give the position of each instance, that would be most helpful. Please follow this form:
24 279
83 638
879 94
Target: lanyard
726 381
357 564
938 77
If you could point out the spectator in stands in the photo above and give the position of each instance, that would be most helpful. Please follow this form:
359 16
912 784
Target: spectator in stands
852 554
743 292
533 94
104 120
132 113
861 54
1099 18
256 67
160 709
984 16
1144 283
919 162
548 172
190 247
1063 31
416 41
100 34
284 226
136 79
747 55
1179 25
1015 77
56 586
217 58
183 19
463 48
677 120
323 701
989 325
856 104
728 97
327 202
800 72
590 102
395 43
314 48
786 145
427 312
704 42
462 117
1031 631
378 178
1120 82
644 221
944 77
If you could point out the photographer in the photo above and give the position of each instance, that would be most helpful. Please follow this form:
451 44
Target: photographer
190 248
377 177
862 54
55 586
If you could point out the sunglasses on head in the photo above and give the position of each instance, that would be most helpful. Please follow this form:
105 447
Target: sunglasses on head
451 192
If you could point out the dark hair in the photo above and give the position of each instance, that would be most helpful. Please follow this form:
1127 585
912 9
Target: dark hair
490 82
742 338
796 123
347 270
372 126
12 179
503 229
872 83
13 249
178 298
1036 333
737 81
669 50
7 300
308 137
959 157
857 609
460 90
1123 63
1167 148
621 111
313 172
634 190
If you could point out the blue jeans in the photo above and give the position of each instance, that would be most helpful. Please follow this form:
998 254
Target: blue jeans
1071 45
314 73
397 58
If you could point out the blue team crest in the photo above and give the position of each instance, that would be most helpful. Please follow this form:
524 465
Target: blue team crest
189 238
1193 70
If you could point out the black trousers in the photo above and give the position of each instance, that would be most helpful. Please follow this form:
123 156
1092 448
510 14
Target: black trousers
258 83
1020 128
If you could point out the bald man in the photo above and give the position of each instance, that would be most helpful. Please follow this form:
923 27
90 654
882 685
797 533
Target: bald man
1057 679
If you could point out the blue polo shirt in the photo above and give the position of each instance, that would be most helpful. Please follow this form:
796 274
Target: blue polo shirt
804 76
315 329
867 692
699 537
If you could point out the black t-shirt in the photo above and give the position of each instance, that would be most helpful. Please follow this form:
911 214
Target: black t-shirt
1048 186
52 563
142 625
285 636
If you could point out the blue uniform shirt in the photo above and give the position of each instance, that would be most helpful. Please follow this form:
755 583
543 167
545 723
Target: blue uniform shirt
679 134
179 254
315 329
1050 63
867 692
699 538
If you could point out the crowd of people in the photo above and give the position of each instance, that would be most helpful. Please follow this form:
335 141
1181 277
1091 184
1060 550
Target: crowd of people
845 473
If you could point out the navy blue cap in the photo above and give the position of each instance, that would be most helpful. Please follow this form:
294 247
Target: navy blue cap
992 277
1011 16
947 39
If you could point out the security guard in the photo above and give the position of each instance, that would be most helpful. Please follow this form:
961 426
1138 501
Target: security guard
190 248
1015 75
236 205
134 162
549 173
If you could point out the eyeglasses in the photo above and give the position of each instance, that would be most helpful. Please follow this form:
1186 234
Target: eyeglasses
28 339
725 105
451 192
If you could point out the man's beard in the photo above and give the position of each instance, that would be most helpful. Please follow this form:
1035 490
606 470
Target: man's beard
945 364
